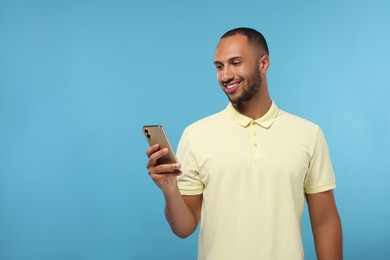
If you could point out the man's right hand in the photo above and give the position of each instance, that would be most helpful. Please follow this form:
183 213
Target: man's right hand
164 175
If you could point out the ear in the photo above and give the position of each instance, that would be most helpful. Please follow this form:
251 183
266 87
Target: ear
264 62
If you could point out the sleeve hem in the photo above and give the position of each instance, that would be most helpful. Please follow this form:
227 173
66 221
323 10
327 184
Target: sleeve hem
313 190
190 192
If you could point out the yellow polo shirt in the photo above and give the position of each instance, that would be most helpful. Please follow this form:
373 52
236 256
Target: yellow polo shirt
253 175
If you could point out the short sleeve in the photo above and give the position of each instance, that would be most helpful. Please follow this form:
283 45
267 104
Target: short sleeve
189 181
320 176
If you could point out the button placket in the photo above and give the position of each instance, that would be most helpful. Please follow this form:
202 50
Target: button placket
255 144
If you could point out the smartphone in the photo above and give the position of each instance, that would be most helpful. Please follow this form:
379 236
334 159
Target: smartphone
155 134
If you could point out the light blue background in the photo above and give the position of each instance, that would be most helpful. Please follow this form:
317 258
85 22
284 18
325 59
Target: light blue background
78 79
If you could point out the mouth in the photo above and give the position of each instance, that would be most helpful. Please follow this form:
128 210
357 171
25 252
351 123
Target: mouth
231 86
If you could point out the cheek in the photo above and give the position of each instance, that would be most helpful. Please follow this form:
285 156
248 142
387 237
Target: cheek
244 71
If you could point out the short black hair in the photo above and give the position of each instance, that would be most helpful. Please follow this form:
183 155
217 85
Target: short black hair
253 36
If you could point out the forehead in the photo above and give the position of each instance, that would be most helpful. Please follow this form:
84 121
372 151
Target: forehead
233 46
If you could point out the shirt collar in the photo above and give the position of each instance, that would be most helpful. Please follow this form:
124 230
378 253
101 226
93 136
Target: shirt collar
265 121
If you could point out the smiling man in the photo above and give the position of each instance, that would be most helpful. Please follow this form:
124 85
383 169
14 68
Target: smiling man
246 171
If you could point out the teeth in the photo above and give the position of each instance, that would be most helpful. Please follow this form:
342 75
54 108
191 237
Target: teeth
232 86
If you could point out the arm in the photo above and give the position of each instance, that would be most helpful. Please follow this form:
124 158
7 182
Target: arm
182 212
326 225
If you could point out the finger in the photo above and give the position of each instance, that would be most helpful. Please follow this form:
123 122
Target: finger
155 156
165 169
152 149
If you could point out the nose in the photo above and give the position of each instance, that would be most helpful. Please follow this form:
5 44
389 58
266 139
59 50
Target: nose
226 74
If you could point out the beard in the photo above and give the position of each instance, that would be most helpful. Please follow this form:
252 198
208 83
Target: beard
254 83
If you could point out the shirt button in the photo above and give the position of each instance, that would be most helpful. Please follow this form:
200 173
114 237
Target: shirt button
255 145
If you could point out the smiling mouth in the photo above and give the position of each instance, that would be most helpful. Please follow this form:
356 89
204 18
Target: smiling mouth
231 86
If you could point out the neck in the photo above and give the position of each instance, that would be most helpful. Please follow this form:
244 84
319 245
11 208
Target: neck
258 106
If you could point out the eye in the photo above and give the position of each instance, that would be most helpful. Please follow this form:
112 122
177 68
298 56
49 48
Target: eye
218 66
236 63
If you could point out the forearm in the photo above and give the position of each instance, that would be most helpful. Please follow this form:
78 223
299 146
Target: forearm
179 216
182 213
328 239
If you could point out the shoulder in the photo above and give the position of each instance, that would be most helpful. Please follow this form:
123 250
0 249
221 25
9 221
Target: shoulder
204 130
208 123
200 132
291 121
297 128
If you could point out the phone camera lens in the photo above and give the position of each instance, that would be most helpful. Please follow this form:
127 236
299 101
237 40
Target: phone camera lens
148 135
146 131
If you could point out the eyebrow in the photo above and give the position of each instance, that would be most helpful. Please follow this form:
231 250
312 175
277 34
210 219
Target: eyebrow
230 59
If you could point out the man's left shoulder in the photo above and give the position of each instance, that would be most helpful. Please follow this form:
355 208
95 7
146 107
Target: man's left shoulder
291 118
296 123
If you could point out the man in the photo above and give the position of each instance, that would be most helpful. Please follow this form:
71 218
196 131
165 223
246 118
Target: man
246 171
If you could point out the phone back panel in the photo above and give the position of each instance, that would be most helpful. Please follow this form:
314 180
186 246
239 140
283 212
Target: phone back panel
155 134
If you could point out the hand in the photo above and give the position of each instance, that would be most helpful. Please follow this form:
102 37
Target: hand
164 175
